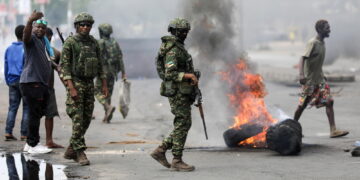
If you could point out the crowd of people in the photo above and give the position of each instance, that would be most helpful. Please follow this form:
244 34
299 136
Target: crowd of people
29 72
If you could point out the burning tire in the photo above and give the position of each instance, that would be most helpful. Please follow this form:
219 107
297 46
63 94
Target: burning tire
233 137
285 137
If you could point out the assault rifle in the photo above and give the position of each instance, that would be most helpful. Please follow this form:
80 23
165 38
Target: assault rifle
199 101
54 63
60 35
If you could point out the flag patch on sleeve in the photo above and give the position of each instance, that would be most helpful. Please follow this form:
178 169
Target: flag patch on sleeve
169 64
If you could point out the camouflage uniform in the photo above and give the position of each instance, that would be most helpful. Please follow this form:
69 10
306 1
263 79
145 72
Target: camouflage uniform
81 63
178 62
113 62
175 67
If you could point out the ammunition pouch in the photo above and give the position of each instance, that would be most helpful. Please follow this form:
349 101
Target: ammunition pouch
86 67
186 88
168 89
91 67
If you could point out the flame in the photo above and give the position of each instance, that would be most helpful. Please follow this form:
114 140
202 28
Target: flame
247 98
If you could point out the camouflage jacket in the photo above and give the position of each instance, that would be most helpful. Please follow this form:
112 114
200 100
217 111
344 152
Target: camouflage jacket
177 60
112 56
81 58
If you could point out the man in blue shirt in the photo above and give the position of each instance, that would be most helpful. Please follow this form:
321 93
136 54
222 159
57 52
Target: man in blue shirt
14 61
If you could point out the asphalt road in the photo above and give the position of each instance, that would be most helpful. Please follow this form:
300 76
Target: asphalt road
149 120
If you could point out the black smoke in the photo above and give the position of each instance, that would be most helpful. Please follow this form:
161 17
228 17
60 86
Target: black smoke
213 34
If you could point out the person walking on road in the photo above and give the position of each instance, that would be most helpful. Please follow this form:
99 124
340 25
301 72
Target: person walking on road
315 89
113 62
80 63
175 68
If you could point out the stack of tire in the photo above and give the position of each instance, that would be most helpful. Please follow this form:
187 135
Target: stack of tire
285 137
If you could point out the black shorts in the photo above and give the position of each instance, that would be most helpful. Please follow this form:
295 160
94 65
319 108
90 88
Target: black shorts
51 109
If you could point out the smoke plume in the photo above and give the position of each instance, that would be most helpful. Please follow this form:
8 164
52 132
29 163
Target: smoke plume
212 43
213 30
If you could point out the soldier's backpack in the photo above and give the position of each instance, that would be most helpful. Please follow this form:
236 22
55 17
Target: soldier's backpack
160 61
111 53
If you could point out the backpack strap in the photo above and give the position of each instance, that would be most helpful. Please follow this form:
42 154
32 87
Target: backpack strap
102 43
160 67
167 49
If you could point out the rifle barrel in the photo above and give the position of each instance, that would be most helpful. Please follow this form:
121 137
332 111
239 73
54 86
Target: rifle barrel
62 40
60 35
203 120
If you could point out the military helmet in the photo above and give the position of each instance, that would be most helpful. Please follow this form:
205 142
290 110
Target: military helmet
179 23
105 28
84 17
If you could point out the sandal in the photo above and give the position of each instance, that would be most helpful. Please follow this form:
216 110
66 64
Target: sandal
338 133
10 137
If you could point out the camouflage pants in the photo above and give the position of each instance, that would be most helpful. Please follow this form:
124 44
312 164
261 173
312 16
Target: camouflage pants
181 108
80 112
98 90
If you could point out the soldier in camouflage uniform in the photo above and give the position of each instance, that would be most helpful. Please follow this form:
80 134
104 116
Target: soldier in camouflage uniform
178 85
113 62
80 64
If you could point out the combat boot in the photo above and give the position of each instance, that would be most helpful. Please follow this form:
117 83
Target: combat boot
159 155
70 153
179 165
81 158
